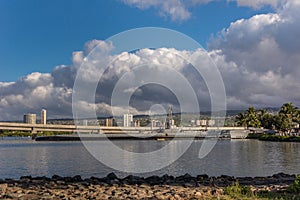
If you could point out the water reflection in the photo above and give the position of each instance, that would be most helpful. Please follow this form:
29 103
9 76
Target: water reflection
236 157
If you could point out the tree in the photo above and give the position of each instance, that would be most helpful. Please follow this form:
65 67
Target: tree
287 115
283 121
266 119
252 118
241 119
287 109
296 116
249 118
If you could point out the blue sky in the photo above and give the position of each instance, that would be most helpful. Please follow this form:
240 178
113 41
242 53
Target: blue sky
36 36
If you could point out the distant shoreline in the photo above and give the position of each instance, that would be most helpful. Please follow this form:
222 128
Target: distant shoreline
274 138
159 137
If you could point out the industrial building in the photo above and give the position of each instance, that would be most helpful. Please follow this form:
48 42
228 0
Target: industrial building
30 118
43 116
128 120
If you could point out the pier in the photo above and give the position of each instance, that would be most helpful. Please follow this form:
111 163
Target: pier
121 132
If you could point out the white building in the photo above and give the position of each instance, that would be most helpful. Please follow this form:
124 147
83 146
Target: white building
211 122
156 123
128 120
30 118
203 122
43 116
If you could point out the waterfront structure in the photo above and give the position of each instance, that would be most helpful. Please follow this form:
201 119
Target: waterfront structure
136 123
156 123
211 122
43 116
170 123
203 122
128 120
34 128
109 122
192 122
30 118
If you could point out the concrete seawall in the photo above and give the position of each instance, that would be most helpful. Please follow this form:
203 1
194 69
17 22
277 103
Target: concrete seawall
92 137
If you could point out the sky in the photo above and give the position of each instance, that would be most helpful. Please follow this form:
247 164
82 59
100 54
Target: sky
254 44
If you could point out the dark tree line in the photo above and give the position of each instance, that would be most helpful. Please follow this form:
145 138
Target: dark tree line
284 120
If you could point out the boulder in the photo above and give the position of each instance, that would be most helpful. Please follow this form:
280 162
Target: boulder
111 176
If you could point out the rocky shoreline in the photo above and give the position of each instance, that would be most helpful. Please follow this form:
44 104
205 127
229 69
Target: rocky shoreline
135 187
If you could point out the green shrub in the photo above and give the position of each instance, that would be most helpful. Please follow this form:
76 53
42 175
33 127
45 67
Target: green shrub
237 190
295 187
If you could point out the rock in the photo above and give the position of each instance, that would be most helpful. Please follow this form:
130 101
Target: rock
56 177
202 177
114 182
77 178
29 191
153 180
25 177
60 182
189 184
135 187
41 178
183 179
96 180
198 195
167 178
3 188
29 196
229 178
133 179
10 181
68 179
112 176
187 175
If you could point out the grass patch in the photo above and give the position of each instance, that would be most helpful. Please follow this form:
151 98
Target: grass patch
238 191
277 196
295 187
52 133
254 136
28 134
15 134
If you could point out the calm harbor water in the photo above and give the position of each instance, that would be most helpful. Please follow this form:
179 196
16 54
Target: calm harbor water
231 157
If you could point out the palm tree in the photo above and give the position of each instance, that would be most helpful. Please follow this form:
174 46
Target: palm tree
252 118
287 109
286 116
296 115
249 118
266 119
261 115
282 122
241 120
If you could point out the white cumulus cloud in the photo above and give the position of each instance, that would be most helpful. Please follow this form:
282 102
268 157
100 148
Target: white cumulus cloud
261 56
178 10
259 60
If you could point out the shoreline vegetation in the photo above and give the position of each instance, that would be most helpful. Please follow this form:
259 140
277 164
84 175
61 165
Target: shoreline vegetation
28 134
273 138
278 186
286 121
